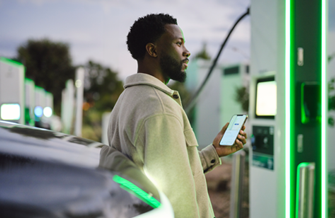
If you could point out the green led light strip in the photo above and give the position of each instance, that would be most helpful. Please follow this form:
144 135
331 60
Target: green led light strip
324 110
39 88
11 62
304 118
27 80
128 186
287 108
288 73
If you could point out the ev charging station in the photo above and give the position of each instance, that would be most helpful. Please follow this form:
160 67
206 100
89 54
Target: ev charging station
12 105
67 106
287 111
39 105
48 110
48 107
29 102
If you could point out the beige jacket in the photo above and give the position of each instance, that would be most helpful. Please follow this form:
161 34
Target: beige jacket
149 125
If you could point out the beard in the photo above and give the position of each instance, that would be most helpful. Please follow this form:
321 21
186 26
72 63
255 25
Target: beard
172 69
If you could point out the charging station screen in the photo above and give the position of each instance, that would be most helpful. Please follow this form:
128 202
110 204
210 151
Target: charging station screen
266 99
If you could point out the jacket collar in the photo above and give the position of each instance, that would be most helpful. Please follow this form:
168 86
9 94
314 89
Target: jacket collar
146 79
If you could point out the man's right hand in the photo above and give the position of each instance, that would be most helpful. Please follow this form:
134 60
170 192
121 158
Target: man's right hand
224 150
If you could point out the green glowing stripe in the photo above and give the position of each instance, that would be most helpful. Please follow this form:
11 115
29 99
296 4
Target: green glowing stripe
324 110
11 62
287 106
27 80
304 119
39 88
128 186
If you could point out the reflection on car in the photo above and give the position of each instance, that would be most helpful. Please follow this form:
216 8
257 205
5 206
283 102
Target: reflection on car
51 174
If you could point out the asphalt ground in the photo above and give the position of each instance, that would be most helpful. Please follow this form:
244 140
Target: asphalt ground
219 185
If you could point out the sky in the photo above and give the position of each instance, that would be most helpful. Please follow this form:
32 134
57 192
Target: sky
97 29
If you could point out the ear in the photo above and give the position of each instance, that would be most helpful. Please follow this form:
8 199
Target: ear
151 49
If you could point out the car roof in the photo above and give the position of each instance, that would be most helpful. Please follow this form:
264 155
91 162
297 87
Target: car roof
48 145
51 174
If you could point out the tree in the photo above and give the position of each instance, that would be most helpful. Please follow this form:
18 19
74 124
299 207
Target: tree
49 65
242 97
102 88
203 54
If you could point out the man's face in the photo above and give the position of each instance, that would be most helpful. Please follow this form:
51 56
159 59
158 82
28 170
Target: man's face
173 55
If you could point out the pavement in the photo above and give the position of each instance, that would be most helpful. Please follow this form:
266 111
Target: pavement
219 185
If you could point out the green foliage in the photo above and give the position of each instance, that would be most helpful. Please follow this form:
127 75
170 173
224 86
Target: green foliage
203 54
102 88
92 124
331 100
331 57
242 97
49 65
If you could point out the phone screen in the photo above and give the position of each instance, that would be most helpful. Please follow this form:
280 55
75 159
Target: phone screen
233 129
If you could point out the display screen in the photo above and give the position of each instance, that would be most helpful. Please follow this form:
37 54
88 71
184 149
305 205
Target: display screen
266 98
233 129
10 111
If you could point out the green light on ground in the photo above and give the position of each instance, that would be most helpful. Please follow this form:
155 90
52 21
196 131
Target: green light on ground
130 187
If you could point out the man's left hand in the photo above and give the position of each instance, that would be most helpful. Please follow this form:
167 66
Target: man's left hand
226 150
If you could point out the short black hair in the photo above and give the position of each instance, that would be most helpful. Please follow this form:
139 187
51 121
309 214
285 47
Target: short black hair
145 30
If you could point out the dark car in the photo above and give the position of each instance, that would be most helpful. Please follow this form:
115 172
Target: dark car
51 174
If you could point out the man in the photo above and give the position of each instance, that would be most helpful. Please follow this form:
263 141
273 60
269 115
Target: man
150 127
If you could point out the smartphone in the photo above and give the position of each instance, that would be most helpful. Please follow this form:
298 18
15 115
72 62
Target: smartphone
235 125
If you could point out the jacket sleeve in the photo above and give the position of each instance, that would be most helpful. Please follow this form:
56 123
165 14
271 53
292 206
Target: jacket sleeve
209 158
166 162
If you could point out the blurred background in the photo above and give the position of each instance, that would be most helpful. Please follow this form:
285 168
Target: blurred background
74 57
53 38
